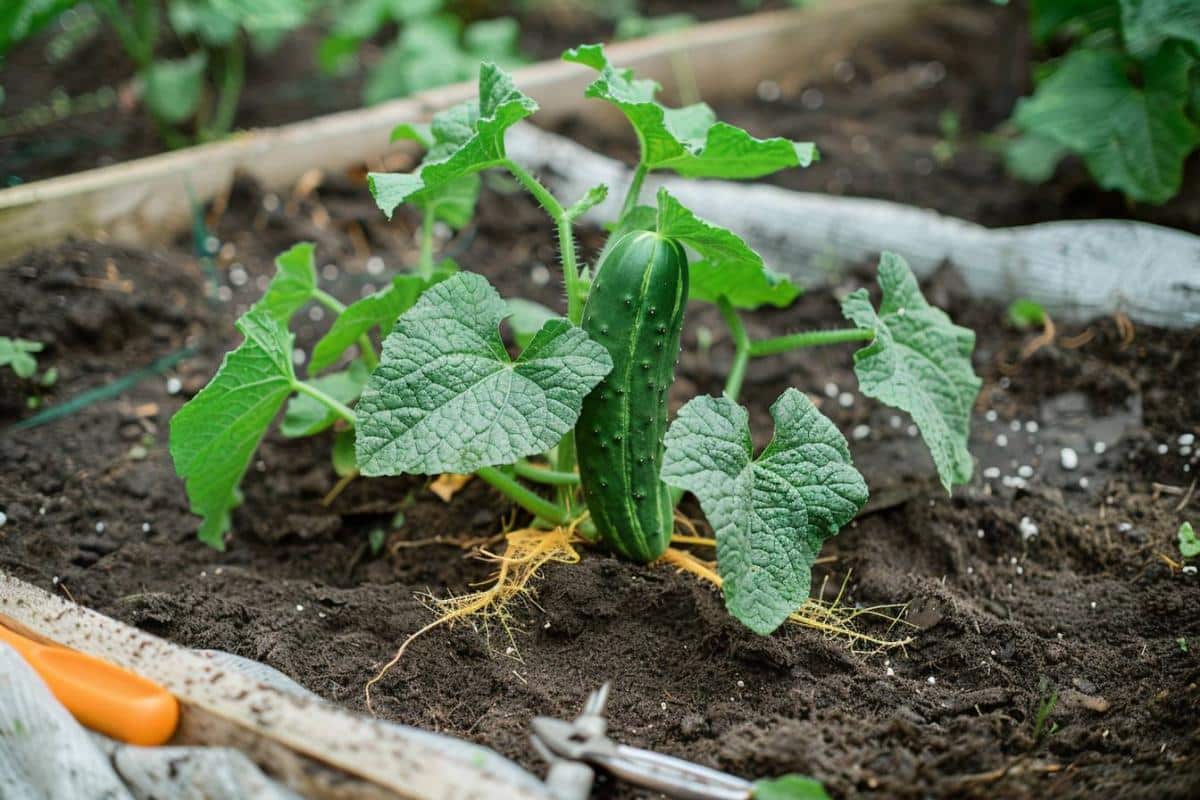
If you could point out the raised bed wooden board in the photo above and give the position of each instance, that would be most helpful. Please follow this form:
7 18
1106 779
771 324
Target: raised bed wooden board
149 200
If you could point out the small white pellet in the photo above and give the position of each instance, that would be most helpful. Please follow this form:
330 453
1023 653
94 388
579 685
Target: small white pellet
1028 528
1001 440
174 386
1068 458
1099 447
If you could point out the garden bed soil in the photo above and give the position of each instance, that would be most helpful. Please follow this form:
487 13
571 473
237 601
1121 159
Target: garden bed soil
1087 609
283 85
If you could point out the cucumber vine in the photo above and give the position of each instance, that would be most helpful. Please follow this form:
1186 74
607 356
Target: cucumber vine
574 429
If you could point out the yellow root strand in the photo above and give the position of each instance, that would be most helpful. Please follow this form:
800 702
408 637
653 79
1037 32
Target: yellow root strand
526 552
832 618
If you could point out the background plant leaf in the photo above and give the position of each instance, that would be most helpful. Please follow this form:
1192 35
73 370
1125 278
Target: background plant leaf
1133 139
214 435
18 355
446 397
1148 24
919 362
689 141
172 87
772 513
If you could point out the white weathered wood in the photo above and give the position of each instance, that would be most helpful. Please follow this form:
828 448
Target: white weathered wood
148 200
1075 269
317 748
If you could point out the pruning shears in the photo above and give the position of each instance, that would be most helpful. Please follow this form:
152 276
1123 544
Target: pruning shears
575 749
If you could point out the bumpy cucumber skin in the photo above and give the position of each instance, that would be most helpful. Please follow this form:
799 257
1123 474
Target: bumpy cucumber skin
635 310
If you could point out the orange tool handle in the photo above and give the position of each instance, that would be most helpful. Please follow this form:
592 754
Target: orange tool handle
104 697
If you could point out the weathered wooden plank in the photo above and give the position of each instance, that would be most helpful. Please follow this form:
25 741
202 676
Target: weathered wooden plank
147 200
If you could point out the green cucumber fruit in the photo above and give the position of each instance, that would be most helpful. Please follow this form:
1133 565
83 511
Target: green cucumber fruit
635 310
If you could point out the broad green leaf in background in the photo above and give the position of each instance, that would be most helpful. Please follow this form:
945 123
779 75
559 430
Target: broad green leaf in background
494 40
789 787
526 319
689 141
470 140
1147 24
446 397
919 362
20 19
770 514
172 87
202 19
266 16
425 54
214 435
293 285
727 266
375 310
306 416
17 354
635 26
1034 158
1048 17
1133 138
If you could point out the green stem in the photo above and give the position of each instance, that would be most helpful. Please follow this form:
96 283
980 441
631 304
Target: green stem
233 77
634 192
530 501
566 238
337 307
793 341
329 301
339 408
741 348
425 265
549 477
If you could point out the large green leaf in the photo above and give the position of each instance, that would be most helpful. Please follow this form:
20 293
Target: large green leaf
306 416
727 266
446 397
213 437
689 141
919 362
1133 138
173 87
1147 24
375 310
1048 17
293 285
204 20
772 513
469 139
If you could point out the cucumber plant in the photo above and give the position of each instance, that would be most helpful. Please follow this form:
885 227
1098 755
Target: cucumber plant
574 429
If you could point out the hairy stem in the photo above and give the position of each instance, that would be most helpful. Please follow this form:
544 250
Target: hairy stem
339 408
634 193
566 238
793 341
550 477
526 499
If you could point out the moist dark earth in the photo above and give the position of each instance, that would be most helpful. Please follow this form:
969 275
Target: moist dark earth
1092 609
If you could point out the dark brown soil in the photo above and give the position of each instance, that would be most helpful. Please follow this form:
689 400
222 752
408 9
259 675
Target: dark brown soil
1087 609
